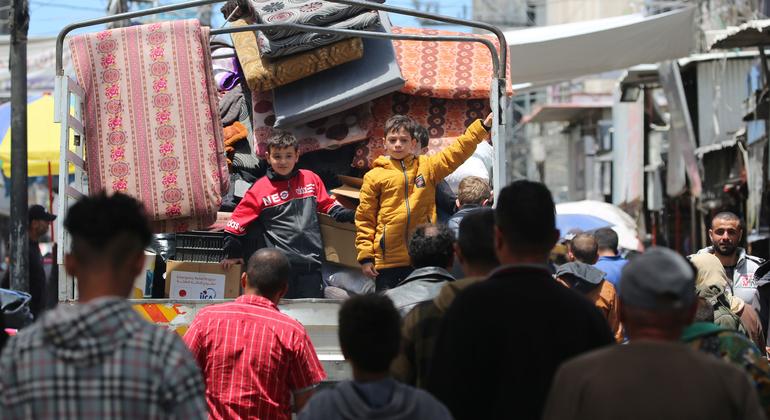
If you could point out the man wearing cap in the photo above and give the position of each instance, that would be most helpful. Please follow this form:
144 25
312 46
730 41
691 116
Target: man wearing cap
39 223
654 376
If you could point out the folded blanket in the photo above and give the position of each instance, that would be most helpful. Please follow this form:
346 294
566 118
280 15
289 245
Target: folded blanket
244 159
233 134
308 40
309 12
153 132
453 70
226 72
445 120
332 92
230 105
264 74
327 133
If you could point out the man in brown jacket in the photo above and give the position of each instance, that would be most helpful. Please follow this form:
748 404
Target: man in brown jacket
655 376
580 275
475 251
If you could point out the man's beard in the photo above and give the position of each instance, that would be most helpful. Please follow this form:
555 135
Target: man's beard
728 251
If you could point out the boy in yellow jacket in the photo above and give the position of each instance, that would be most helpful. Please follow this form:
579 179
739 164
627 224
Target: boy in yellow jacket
399 194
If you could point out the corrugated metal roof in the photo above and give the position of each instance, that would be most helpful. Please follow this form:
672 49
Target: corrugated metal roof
721 93
751 34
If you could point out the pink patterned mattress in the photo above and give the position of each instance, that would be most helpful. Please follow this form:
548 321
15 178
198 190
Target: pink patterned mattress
152 127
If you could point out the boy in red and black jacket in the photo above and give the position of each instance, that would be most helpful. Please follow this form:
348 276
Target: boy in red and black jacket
285 202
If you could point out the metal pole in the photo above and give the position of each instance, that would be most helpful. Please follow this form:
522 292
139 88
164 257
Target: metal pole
122 16
441 18
496 63
502 59
18 65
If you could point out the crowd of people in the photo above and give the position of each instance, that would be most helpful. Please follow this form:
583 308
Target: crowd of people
470 320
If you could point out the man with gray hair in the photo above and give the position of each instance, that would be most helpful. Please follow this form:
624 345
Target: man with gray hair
655 375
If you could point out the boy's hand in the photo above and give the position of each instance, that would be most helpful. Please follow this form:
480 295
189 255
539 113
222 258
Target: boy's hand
369 270
489 120
229 262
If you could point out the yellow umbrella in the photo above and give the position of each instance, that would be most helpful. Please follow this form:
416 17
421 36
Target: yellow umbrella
43 140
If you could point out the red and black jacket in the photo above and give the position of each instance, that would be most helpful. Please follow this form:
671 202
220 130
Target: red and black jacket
286 208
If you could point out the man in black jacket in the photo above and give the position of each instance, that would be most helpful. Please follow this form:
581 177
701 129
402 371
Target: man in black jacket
44 292
472 193
503 338
40 288
431 250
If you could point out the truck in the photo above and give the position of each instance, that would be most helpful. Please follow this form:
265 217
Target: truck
319 316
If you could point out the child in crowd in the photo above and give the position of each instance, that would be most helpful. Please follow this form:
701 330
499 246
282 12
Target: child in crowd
285 202
472 193
399 193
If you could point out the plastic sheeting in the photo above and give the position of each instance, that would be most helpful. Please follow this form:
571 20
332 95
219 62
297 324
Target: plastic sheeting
681 150
562 52
628 150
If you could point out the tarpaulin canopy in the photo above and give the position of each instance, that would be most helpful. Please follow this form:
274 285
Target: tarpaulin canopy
563 52
42 137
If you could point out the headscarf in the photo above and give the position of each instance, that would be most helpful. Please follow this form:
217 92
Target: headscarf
712 273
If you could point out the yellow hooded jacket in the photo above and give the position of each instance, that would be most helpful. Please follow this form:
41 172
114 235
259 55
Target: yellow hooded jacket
399 195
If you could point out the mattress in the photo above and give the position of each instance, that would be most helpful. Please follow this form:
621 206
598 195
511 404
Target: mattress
327 93
155 132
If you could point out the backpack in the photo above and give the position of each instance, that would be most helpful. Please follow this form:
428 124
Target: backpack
724 317
14 308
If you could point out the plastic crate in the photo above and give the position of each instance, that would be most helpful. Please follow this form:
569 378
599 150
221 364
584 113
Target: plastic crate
200 247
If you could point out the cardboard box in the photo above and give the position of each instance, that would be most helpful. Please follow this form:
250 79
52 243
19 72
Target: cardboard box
339 241
349 193
193 280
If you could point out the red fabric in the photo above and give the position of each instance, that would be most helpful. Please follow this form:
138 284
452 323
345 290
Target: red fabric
268 193
252 357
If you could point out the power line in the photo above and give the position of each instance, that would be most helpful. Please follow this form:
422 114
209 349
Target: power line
65 6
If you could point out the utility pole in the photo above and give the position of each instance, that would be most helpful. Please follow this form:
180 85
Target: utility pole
18 64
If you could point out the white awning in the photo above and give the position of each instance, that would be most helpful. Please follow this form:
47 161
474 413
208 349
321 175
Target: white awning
563 52
564 112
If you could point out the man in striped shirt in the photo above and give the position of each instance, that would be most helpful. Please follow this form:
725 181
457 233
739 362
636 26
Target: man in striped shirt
254 357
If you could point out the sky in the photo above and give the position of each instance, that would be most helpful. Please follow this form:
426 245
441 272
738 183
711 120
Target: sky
48 17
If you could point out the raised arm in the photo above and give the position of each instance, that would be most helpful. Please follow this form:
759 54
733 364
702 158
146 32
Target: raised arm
449 159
